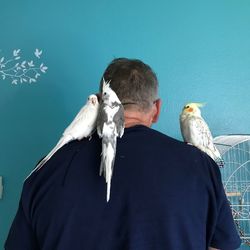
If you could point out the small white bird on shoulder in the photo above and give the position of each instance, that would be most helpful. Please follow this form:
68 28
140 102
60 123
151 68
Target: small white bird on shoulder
83 125
195 131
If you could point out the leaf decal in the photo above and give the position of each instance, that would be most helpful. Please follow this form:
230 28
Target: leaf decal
16 52
25 71
38 53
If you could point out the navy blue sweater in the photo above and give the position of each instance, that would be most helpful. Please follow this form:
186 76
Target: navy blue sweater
164 195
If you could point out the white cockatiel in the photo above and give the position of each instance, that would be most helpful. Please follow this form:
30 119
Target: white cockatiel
195 131
110 125
83 125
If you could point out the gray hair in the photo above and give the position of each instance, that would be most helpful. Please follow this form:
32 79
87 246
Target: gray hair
134 82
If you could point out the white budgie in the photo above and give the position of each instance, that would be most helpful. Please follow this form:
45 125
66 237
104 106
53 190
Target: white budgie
83 125
110 125
195 131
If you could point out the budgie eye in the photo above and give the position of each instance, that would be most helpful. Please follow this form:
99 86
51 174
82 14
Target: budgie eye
187 107
104 93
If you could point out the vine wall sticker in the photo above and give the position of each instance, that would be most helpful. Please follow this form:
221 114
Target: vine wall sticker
22 71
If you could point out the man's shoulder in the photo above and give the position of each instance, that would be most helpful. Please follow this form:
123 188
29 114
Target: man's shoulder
182 149
64 156
158 141
164 139
146 131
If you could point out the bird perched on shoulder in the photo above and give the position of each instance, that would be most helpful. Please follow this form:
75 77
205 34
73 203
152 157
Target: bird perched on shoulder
195 131
83 125
110 125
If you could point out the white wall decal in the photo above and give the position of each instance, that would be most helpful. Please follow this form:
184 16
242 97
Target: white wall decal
21 71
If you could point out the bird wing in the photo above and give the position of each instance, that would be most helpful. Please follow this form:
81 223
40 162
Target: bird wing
200 131
119 120
200 136
82 114
101 119
83 124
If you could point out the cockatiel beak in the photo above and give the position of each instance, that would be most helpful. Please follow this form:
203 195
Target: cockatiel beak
190 110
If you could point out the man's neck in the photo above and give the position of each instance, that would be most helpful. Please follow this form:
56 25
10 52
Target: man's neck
133 118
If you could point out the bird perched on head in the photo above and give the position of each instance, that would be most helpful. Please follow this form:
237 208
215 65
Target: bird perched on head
83 125
195 131
110 125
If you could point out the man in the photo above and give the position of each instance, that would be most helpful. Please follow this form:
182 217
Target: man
164 195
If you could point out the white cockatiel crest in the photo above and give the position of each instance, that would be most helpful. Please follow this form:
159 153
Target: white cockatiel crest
110 125
195 131
83 125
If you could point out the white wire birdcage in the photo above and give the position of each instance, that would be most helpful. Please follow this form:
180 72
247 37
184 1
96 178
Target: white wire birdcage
235 151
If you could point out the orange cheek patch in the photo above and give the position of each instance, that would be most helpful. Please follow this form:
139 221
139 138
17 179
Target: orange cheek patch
190 110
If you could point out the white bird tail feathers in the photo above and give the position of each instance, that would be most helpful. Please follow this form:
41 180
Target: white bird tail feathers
61 143
108 160
213 153
220 162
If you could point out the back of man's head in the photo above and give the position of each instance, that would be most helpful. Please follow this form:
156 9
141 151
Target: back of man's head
134 82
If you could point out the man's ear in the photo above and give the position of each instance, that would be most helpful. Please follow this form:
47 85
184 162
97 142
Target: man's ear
156 115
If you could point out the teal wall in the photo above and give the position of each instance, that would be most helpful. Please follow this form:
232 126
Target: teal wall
200 51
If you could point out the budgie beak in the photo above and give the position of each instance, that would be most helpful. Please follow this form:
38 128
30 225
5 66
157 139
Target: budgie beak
93 101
